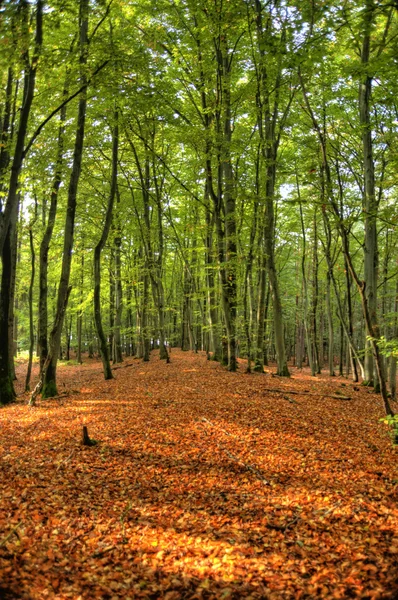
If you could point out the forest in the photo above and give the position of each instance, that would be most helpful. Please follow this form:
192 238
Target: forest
198 244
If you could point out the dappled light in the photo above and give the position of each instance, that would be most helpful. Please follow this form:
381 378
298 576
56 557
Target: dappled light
198 299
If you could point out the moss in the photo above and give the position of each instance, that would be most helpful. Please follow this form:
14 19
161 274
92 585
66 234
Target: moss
367 383
284 372
49 389
7 394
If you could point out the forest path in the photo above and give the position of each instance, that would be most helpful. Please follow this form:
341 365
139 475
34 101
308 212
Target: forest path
203 484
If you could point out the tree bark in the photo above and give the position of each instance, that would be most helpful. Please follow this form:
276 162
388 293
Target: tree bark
259 362
28 94
46 240
79 323
48 378
10 212
370 207
103 345
118 357
30 300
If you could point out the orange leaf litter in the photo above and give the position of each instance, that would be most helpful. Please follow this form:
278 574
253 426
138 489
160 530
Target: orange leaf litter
203 484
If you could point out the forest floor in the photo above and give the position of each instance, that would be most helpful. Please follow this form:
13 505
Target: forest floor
203 484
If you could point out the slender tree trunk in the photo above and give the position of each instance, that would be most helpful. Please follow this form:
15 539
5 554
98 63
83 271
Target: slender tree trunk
80 313
269 233
315 295
259 362
46 241
30 300
228 199
370 202
145 340
330 326
266 345
185 310
48 383
11 316
214 325
353 360
103 346
247 285
392 374
305 295
118 358
341 355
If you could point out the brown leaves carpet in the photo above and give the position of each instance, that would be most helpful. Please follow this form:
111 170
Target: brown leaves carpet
203 484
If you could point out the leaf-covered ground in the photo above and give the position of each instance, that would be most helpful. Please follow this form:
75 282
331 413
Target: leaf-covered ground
203 484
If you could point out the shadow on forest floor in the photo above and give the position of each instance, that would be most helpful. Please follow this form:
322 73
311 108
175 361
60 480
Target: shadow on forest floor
203 485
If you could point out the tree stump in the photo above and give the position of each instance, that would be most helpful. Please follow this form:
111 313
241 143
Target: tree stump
86 441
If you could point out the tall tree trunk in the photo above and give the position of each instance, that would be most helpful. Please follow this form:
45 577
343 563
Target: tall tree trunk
48 383
9 214
330 326
80 313
315 294
28 94
11 316
145 338
392 374
30 301
118 358
353 359
247 284
268 119
214 325
259 362
370 206
305 295
103 346
46 240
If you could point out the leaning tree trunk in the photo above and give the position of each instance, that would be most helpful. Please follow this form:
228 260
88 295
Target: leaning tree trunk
369 316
